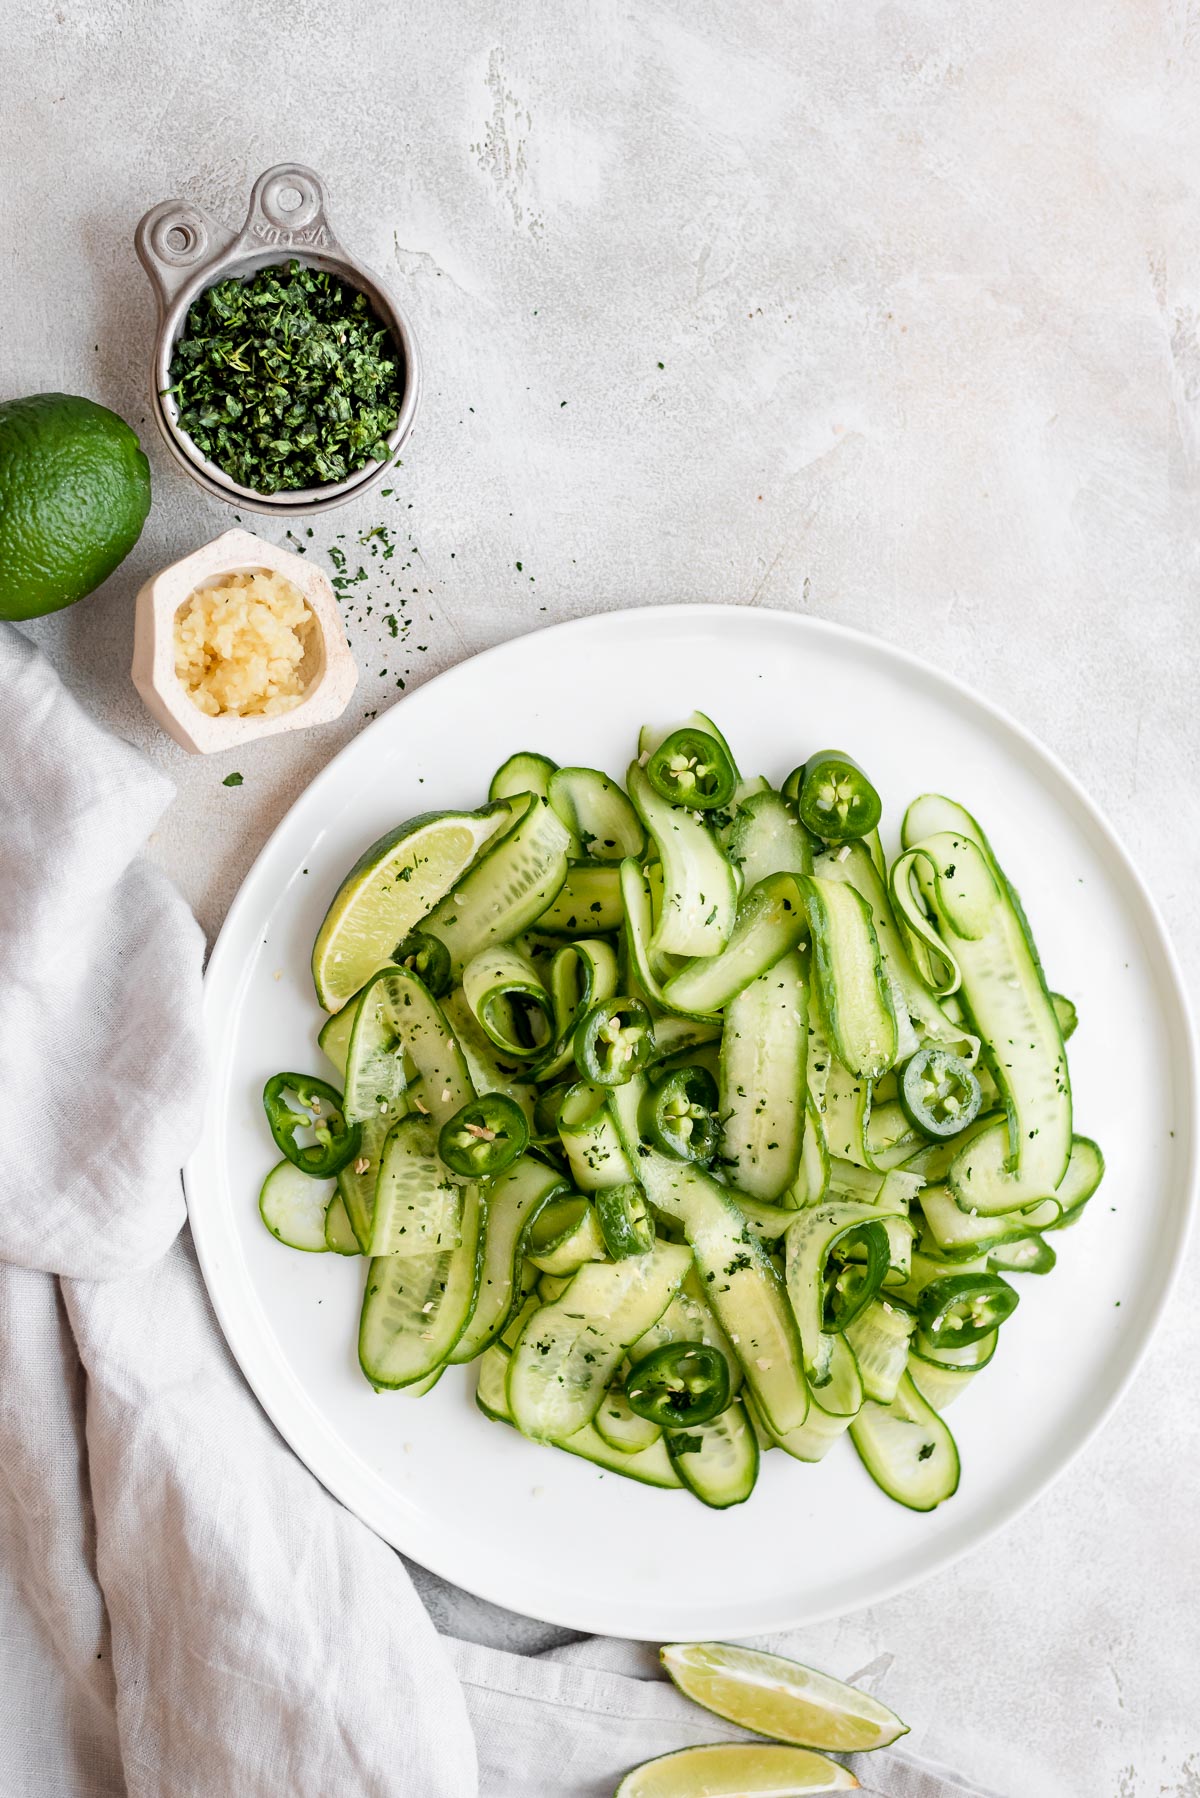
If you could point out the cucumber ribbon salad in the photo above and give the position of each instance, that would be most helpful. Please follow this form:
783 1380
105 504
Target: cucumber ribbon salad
693 1123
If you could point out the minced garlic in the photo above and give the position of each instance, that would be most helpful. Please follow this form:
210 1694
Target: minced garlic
240 642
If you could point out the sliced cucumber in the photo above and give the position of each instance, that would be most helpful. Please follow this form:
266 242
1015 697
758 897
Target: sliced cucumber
1004 992
717 1461
509 1002
1031 1254
621 1427
597 813
955 1233
589 899
907 1449
1085 1170
509 888
835 1383
551 1287
926 1268
569 1351
293 1205
888 1135
920 1019
1065 1012
637 900
809 1441
418 1207
420 1387
524 772
650 1466
334 1036
768 1221
339 1233
590 1139
845 1105
814 1234
890 1190
700 888
880 1336
740 1283
417 1306
676 1040
856 1001
530 1301
771 921
564 1235
812 1176
513 1202
490 1387
940 1386
764 1053
487 1068
766 837
690 1318
973 1355
400 1028
581 974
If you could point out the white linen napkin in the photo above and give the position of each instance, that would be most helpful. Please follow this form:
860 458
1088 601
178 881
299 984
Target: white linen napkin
184 1610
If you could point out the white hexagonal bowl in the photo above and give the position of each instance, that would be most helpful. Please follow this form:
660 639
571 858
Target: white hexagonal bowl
331 681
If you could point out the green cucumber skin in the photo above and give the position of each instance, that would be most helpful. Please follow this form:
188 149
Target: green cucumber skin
700 888
598 813
621 1428
275 1207
810 1240
763 1083
997 959
399 1342
880 1338
861 1024
771 921
766 837
717 1482
507 889
569 1351
649 1466
397 1016
894 1460
919 1017
740 1283
589 899
417 1204
333 1039
524 772
512 1207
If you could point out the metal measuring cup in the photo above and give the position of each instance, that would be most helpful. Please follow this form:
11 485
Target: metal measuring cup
184 251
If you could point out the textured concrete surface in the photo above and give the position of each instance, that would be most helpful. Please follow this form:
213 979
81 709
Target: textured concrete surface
887 313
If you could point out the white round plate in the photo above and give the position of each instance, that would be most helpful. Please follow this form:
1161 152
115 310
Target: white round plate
540 1531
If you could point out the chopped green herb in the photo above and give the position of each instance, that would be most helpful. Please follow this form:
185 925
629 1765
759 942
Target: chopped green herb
232 780
287 380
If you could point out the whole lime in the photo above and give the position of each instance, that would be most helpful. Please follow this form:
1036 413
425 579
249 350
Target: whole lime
74 494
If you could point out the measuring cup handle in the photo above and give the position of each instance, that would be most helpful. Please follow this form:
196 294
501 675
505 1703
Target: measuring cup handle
287 211
172 241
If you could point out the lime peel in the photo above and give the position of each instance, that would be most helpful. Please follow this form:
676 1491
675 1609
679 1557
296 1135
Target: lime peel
391 887
736 1770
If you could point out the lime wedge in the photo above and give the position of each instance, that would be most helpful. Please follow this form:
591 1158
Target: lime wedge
389 890
780 1698
736 1770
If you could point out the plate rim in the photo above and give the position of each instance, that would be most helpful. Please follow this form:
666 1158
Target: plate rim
592 1619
